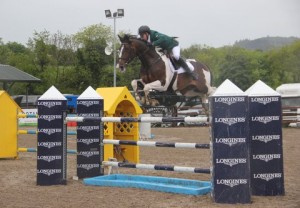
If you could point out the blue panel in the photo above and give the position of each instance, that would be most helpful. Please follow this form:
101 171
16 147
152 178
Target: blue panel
231 162
88 153
267 173
170 185
51 160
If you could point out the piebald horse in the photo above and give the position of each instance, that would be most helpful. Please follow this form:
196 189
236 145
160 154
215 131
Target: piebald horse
157 71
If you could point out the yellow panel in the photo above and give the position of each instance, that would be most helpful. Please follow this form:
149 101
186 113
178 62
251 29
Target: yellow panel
118 102
108 134
8 126
127 131
114 95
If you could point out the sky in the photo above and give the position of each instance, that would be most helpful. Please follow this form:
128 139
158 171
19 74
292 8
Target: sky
214 23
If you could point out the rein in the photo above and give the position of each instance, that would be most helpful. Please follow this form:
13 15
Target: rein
140 56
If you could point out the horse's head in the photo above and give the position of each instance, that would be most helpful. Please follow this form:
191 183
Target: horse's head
127 52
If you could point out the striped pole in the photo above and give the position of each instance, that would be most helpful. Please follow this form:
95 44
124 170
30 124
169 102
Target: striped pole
24 149
140 119
156 167
31 131
157 144
23 115
27 131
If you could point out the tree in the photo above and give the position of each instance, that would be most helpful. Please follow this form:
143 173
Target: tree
62 52
39 45
91 42
242 67
74 62
4 52
283 65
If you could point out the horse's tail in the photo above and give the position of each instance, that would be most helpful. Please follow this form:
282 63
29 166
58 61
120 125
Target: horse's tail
206 67
210 78
212 89
211 75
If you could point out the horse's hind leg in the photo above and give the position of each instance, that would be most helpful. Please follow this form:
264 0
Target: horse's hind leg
205 104
204 98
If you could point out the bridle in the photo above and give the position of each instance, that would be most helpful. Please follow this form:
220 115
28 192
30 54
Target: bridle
131 58
137 55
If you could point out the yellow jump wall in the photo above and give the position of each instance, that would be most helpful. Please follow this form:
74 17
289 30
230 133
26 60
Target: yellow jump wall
9 110
118 102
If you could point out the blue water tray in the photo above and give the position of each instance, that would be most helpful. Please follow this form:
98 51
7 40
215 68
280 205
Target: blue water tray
171 185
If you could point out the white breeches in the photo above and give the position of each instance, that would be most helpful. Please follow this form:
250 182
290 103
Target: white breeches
176 52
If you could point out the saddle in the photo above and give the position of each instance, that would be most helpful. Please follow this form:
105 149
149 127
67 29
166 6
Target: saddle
181 63
174 63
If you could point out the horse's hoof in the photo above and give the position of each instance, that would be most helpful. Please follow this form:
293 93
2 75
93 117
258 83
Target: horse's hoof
154 103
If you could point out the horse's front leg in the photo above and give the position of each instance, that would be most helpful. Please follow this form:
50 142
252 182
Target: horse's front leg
156 85
136 87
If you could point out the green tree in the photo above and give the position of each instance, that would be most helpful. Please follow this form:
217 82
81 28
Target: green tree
39 45
242 67
62 53
4 53
74 62
91 42
293 63
283 65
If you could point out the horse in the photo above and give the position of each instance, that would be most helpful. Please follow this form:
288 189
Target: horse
158 73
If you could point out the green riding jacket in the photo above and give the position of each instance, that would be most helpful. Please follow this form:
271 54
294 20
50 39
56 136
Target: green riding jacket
163 41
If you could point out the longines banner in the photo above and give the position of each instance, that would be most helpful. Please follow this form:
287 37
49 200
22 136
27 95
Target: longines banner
52 143
231 163
267 177
89 135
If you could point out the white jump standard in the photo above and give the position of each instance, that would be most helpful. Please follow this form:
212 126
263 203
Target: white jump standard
141 119
157 144
156 167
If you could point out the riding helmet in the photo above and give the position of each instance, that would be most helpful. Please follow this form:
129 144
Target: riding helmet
144 29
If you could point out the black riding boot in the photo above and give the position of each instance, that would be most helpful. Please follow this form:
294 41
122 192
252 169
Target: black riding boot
187 69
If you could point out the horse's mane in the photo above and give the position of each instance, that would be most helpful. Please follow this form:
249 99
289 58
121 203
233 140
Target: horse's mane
135 37
129 36
146 43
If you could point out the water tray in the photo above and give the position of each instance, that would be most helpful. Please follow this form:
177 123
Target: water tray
171 185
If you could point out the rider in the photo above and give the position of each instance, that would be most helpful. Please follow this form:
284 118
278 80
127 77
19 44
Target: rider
166 43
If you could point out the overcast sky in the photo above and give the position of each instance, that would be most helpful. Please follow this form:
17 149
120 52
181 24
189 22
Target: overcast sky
211 22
